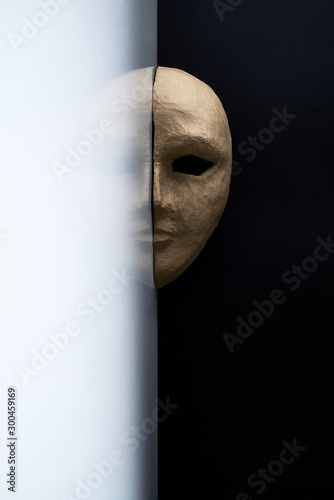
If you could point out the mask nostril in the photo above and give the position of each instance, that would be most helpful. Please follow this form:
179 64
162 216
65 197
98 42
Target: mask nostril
191 165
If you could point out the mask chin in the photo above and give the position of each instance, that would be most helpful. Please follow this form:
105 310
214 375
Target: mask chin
192 169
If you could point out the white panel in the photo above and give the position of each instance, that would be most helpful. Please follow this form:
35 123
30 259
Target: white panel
77 300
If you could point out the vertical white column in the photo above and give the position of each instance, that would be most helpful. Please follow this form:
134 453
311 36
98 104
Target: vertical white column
77 299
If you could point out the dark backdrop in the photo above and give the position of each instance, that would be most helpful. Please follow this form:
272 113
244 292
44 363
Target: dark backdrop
236 410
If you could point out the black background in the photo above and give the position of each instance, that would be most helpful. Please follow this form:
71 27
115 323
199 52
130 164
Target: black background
236 409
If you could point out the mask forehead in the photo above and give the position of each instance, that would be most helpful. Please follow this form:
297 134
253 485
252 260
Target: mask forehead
187 109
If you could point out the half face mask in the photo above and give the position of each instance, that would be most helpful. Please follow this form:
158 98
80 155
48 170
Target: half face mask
192 169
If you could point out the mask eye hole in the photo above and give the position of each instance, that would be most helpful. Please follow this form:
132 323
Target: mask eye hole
191 165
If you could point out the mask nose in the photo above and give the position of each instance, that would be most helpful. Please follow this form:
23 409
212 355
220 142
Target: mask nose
164 202
161 191
157 194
